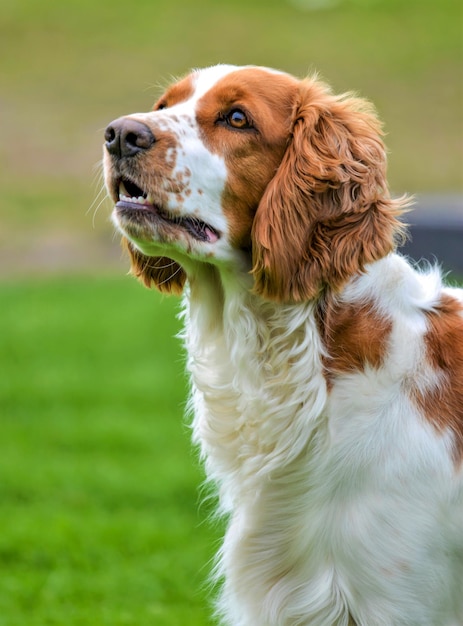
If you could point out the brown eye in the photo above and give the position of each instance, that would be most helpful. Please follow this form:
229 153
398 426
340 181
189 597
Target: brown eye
237 119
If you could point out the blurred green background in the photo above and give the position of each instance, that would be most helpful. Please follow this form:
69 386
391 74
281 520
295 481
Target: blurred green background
99 515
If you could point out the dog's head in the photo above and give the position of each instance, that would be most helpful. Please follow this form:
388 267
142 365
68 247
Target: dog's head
255 170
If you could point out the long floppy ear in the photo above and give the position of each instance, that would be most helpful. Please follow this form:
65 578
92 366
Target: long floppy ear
161 272
327 211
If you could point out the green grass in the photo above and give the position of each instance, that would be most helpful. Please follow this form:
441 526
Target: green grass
99 508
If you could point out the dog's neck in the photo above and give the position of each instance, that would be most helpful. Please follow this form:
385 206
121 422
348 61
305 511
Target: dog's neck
250 388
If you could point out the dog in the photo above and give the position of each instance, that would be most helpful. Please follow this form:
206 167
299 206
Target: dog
326 371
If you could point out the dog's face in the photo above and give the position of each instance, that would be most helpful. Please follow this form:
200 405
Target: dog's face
188 176
252 168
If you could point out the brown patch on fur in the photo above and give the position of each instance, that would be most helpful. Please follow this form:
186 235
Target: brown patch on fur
442 405
178 92
252 156
160 272
327 212
354 335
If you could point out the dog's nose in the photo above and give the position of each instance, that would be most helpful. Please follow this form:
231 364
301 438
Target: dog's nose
126 137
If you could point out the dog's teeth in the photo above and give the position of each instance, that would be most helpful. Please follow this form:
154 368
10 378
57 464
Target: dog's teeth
132 199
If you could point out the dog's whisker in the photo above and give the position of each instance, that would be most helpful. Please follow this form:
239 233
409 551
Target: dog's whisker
161 267
98 201
169 278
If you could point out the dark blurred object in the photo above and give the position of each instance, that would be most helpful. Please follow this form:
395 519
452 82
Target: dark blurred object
436 231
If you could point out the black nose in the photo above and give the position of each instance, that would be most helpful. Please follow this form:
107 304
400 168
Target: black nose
126 137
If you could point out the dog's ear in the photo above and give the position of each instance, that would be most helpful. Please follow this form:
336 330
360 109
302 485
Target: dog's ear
327 211
161 272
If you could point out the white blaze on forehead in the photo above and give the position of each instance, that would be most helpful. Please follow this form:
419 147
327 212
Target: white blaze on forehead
206 78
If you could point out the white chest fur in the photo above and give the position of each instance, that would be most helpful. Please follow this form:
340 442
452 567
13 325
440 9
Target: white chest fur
330 496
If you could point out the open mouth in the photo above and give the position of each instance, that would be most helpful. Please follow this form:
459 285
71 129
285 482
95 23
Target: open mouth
133 198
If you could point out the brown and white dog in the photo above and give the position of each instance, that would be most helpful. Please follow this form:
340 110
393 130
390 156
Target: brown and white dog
326 372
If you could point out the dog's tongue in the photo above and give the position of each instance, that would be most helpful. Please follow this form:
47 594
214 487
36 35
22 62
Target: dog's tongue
210 234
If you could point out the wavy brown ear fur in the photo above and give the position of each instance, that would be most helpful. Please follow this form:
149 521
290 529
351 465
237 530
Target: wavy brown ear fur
160 272
327 212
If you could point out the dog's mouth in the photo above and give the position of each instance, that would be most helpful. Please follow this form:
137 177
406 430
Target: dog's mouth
134 199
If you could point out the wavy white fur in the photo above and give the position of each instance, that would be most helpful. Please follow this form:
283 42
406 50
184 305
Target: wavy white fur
313 482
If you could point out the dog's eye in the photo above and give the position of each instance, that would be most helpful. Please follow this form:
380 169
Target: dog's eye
237 119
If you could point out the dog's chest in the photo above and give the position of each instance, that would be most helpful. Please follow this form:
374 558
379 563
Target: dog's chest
257 388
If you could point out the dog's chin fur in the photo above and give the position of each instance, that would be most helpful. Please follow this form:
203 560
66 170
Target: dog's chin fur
326 372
